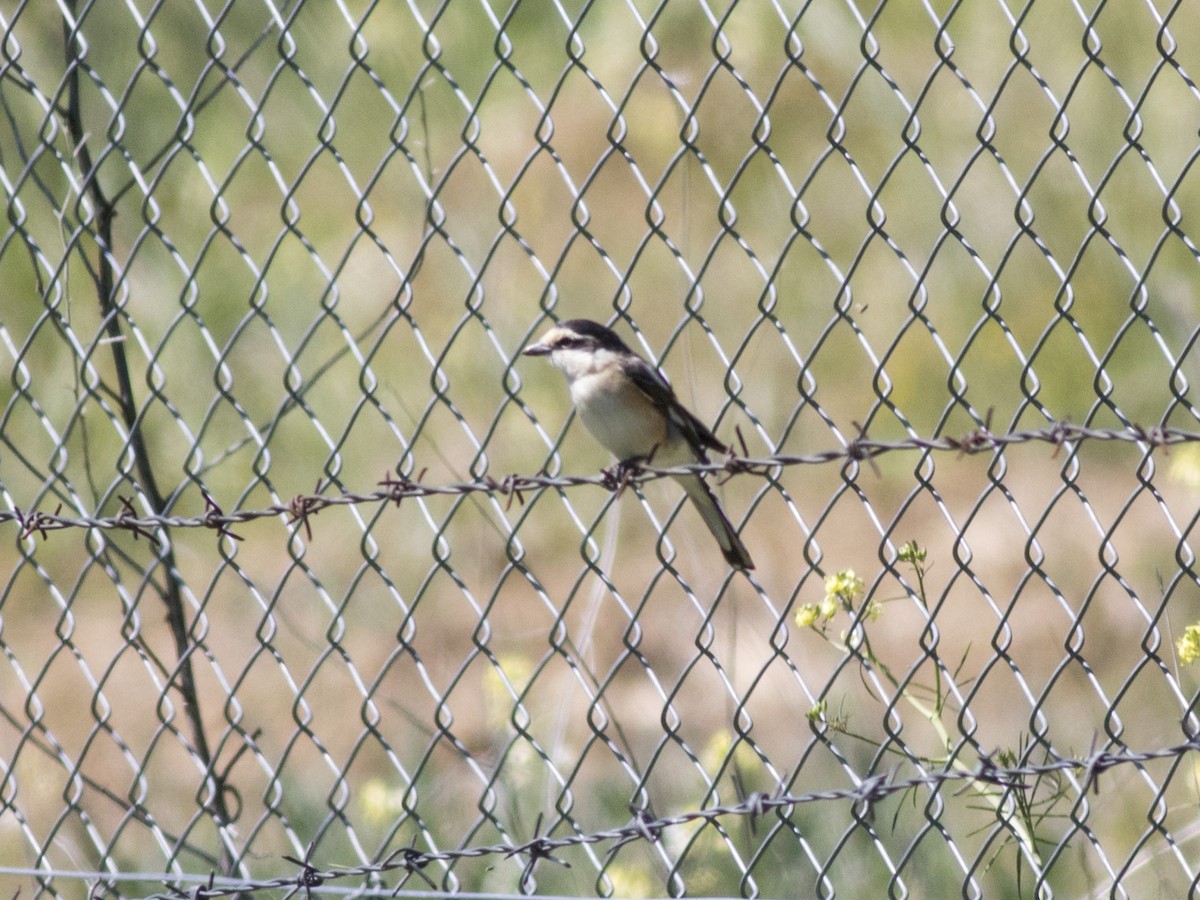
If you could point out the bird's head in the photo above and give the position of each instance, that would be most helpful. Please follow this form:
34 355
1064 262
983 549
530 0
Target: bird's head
579 346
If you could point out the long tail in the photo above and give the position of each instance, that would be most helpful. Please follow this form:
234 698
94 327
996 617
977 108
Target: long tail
718 523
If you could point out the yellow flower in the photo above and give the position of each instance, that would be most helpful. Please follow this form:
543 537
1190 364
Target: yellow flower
1189 645
912 552
806 616
843 586
829 606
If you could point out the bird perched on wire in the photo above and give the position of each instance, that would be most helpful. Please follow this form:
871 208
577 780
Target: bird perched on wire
630 409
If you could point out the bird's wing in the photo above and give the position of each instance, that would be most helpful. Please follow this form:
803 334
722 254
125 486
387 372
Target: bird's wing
654 386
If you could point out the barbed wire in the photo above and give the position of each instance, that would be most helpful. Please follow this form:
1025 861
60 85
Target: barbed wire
868 793
399 487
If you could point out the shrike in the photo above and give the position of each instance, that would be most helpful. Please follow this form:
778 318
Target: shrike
630 409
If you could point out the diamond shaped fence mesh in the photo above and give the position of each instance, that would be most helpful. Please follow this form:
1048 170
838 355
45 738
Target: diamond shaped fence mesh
311 583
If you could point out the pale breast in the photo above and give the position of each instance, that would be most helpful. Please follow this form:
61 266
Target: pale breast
619 415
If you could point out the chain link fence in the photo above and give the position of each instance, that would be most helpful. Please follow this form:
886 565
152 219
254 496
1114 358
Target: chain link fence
310 583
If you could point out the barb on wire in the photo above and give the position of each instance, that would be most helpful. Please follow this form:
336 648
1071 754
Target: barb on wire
128 515
398 487
537 849
413 861
34 521
214 518
310 876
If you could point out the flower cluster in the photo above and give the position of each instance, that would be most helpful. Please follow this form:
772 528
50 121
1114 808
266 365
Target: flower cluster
841 590
1189 645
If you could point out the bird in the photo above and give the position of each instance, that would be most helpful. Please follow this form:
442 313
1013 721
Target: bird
631 409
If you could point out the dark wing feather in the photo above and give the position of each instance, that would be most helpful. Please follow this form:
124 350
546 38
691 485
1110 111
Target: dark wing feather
654 386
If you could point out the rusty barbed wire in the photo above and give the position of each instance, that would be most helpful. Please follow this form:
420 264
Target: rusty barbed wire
397 488
868 793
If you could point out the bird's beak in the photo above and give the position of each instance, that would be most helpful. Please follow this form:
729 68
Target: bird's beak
538 349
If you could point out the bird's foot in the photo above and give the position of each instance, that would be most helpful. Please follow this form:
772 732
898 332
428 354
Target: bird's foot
618 477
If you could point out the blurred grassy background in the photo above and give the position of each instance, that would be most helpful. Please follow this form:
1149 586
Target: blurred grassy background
334 236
